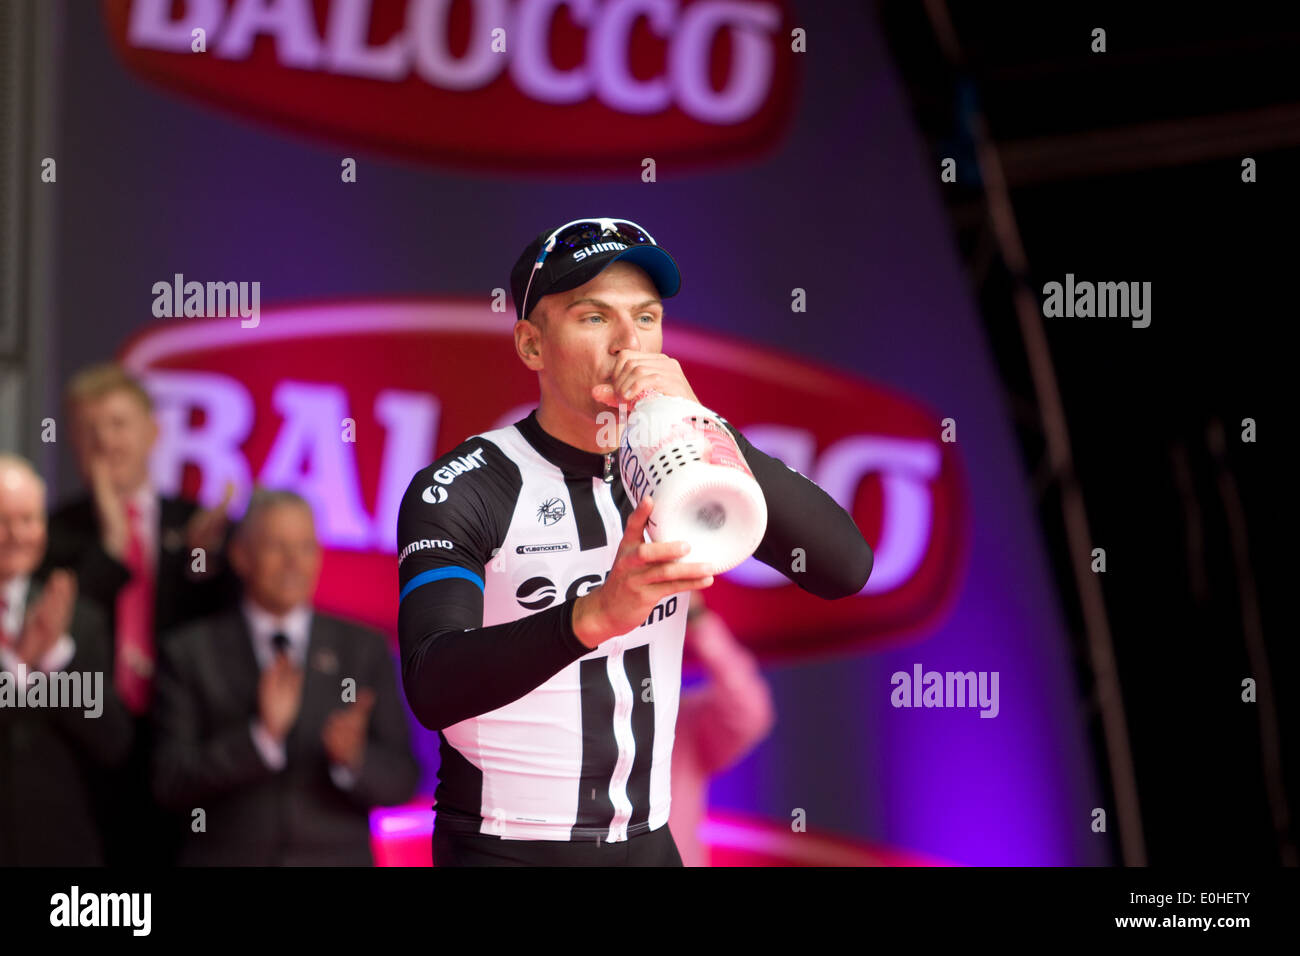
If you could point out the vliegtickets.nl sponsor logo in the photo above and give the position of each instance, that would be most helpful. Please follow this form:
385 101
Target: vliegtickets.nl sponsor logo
543 548
947 689
75 908
198 300
1100 300
75 690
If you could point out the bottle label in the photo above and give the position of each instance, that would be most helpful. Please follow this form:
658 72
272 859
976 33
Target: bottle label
654 426
721 447
723 451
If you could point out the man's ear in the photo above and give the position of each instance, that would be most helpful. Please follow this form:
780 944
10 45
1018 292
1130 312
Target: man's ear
528 344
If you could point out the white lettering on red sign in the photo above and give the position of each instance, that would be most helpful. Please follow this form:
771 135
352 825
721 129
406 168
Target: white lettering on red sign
906 467
421 47
307 456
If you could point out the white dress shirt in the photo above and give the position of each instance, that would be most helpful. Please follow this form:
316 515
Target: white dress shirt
296 626
56 658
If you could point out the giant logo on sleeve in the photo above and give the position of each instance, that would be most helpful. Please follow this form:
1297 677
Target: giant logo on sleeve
485 83
344 402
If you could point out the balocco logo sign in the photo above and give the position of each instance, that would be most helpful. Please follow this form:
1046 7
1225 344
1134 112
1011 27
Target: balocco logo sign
264 406
485 82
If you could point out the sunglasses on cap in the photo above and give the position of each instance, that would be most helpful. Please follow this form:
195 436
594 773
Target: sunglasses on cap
586 232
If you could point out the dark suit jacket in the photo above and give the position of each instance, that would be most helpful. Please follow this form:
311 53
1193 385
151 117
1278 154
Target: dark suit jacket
136 831
205 756
47 755
179 595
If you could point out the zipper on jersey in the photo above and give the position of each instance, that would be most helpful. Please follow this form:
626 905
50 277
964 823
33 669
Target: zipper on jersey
609 465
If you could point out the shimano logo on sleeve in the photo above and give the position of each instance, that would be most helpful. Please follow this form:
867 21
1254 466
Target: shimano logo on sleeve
421 545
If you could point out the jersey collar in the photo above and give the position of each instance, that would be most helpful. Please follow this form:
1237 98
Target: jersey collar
574 462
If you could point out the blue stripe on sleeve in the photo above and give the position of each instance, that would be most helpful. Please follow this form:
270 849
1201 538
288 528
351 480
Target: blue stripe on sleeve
437 574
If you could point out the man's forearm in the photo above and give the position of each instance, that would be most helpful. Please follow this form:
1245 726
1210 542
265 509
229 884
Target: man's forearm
836 559
453 674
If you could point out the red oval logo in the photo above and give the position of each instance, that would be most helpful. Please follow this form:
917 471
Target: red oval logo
511 84
344 402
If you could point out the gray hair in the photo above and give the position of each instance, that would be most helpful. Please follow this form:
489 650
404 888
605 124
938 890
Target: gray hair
263 500
10 461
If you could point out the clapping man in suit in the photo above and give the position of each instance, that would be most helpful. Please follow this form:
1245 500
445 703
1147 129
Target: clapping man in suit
47 813
133 551
282 724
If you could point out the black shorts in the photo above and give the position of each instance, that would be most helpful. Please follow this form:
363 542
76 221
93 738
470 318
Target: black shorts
655 848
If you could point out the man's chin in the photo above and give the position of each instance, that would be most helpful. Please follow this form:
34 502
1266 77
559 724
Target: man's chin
15 567
125 481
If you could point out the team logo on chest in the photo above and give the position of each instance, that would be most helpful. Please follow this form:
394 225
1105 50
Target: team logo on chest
551 511
538 591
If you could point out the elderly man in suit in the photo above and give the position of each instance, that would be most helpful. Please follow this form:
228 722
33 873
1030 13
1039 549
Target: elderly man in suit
49 637
133 551
278 726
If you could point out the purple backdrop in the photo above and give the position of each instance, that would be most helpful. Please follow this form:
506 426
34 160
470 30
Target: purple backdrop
847 207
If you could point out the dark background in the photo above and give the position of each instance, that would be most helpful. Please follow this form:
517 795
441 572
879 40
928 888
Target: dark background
1142 403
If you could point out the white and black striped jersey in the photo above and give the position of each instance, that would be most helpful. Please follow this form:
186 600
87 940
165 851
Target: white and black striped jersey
542 737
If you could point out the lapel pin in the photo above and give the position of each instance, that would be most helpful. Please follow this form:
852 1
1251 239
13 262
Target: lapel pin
325 661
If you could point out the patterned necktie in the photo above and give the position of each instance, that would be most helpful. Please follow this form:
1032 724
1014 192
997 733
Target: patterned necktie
133 671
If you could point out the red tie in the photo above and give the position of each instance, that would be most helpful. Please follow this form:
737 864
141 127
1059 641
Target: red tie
133 672
5 640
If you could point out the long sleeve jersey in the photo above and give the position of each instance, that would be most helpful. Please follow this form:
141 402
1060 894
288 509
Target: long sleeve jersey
544 738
